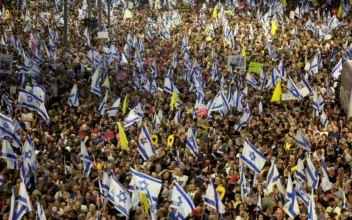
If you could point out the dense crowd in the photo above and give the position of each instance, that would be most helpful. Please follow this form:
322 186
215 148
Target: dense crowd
58 183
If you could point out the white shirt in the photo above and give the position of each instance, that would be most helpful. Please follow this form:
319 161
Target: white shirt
182 180
27 118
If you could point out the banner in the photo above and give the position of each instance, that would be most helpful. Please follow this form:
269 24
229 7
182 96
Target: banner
235 62
255 67
6 63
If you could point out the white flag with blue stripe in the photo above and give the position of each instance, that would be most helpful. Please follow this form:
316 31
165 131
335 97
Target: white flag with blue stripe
314 65
144 183
251 80
8 154
8 103
191 142
252 157
7 126
336 72
312 213
243 183
245 118
312 174
301 140
177 117
324 119
87 161
114 108
16 141
212 199
300 172
12 214
293 89
39 213
301 194
291 205
325 182
73 97
119 197
102 105
181 202
145 146
32 102
96 80
273 178
24 203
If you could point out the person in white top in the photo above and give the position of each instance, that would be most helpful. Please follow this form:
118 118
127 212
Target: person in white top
180 178
27 118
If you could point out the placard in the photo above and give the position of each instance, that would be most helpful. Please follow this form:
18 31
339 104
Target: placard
127 14
255 67
103 34
287 97
235 62
6 63
108 135
13 89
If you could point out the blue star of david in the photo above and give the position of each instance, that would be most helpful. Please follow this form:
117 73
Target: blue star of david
179 201
252 156
247 111
122 197
6 125
28 154
143 184
29 99
143 140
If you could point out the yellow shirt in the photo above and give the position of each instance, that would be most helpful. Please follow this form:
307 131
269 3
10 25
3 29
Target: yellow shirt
100 166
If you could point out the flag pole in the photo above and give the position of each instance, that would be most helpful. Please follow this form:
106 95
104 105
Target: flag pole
65 28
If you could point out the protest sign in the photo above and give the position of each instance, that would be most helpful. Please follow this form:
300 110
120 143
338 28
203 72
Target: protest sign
255 67
5 63
235 62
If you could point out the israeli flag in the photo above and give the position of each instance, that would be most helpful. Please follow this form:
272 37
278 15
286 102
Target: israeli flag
336 72
324 119
169 86
96 80
214 71
292 88
291 205
312 213
212 199
181 202
8 103
143 183
86 36
314 65
243 183
281 69
24 203
312 174
251 80
73 97
6 126
325 182
238 100
145 146
135 115
39 213
245 118
12 215
16 138
154 69
184 43
175 59
119 197
101 108
114 108
8 154
191 142
273 178
301 194
300 172
202 47
177 117
305 84
156 121
333 23
252 157
344 200
87 161
301 140
29 100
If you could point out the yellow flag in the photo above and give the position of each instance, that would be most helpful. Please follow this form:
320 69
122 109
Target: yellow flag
284 3
277 92
123 138
144 201
174 99
7 14
305 58
273 28
339 12
243 53
124 105
315 2
215 12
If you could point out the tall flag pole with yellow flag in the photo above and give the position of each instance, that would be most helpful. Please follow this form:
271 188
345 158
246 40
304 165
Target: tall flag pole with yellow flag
123 138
